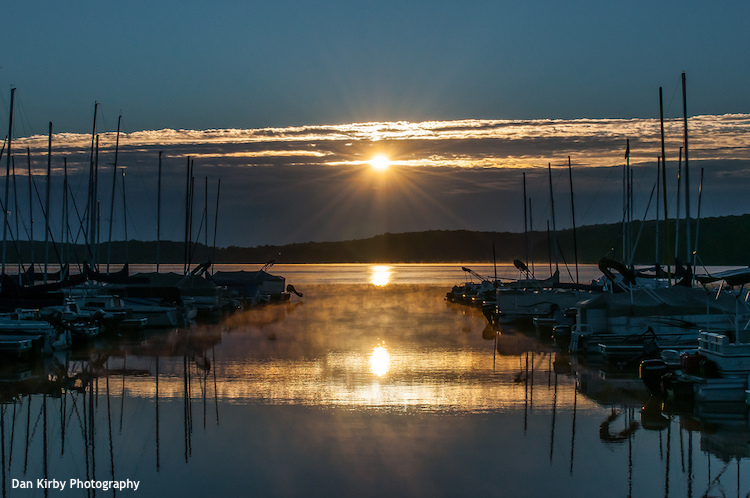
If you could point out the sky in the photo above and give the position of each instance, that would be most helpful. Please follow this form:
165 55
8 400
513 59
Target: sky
286 102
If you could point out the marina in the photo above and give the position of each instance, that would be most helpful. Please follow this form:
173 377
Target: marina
371 383
394 249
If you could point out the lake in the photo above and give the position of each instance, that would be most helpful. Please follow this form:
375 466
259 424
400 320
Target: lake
371 384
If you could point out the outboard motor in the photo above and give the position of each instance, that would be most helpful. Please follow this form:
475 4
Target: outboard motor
290 288
651 373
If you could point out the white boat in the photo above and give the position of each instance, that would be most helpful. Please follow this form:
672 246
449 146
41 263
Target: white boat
720 370
674 315
527 299
93 299
721 389
255 287
50 338
16 346
156 316
513 305
731 358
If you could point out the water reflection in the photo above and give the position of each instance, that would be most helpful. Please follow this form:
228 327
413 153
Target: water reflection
379 360
380 275
389 390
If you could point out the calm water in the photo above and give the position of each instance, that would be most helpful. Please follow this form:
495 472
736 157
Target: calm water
370 385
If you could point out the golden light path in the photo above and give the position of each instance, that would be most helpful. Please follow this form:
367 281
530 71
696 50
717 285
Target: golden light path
435 380
380 275
380 360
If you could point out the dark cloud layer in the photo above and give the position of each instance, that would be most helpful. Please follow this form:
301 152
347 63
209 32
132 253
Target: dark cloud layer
315 183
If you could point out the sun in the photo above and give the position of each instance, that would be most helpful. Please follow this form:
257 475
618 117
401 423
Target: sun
380 163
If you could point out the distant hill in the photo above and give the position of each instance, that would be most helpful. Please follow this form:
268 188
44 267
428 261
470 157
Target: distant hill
722 241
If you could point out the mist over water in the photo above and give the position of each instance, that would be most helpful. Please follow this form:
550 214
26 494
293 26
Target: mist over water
368 385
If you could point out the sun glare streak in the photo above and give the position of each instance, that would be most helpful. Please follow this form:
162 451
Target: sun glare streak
380 163
381 275
380 360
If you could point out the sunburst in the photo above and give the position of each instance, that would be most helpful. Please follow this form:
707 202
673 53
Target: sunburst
380 163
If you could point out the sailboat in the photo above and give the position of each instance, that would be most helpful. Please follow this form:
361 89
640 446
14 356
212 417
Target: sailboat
530 298
651 311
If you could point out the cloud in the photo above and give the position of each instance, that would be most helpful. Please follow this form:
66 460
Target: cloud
313 182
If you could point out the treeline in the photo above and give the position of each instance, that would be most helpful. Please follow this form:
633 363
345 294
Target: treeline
722 241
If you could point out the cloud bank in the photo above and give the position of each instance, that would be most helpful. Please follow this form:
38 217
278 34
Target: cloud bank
294 184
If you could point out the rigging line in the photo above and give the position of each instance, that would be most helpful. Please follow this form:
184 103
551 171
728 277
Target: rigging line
23 118
12 238
198 237
677 87
102 118
81 228
49 228
137 169
128 211
23 220
565 262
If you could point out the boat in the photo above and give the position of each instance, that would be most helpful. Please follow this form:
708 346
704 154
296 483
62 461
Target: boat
675 315
18 347
82 321
129 312
717 371
526 299
473 293
48 338
255 287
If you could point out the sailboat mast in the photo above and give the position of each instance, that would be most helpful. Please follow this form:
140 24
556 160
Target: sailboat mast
625 191
125 216
7 181
656 219
17 237
97 210
187 219
92 181
64 235
664 187
630 214
531 230
573 214
158 215
205 216
698 220
677 211
112 199
190 221
554 226
687 171
549 249
216 220
47 203
31 209
525 229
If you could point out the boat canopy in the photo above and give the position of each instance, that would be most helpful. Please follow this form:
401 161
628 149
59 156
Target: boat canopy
740 276
664 301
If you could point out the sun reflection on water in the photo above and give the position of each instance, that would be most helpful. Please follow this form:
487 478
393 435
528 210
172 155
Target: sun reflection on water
380 360
380 275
